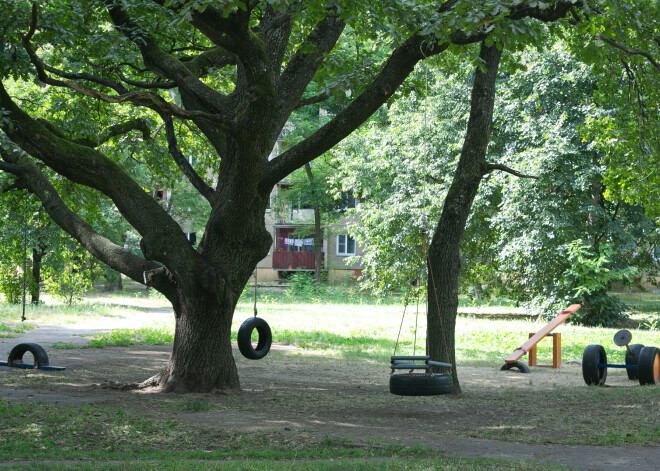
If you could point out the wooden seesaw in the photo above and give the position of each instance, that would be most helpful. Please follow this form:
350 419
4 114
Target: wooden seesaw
530 345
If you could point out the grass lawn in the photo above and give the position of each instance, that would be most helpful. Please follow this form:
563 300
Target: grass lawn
366 329
143 432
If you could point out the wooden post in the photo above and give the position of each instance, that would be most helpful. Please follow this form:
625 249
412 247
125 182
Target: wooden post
556 350
531 354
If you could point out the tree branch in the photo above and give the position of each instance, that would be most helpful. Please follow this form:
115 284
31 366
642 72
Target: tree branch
100 247
140 98
121 129
147 85
312 100
400 64
628 50
107 134
119 88
90 167
183 164
164 64
490 167
303 65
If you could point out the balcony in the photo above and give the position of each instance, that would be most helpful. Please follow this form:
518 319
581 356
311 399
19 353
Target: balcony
293 260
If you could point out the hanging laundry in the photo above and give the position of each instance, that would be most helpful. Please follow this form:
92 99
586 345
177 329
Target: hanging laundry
298 242
309 241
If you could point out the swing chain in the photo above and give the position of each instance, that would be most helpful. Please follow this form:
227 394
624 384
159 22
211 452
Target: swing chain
24 253
255 292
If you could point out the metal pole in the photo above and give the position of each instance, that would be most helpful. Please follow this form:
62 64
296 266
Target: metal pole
24 253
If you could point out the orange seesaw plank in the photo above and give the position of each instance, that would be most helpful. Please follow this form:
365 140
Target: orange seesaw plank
536 338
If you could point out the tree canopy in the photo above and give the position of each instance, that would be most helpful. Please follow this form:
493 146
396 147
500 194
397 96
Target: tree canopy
107 97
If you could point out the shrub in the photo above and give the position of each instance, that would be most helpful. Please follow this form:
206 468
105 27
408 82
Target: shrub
304 286
71 281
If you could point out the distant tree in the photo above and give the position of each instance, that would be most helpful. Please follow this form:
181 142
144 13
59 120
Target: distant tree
560 240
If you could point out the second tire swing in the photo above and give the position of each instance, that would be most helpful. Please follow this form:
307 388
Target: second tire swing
244 337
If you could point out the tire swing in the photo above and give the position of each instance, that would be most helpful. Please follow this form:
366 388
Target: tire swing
410 383
244 337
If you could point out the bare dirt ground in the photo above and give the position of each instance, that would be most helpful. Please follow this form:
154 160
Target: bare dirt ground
292 392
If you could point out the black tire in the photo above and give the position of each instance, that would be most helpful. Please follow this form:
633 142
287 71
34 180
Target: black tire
37 351
649 365
523 368
244 338
591 372
632 358
420 384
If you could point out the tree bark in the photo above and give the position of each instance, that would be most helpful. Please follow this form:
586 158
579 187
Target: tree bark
37 258
201 359
443 258
318 234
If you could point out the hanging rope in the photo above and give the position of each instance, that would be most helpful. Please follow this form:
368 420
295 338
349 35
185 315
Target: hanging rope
255 292
405 306
416 319
426 243
24 253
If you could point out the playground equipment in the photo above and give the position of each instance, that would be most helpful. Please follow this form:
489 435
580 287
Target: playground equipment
244 337
530 345
642 363
41 362
419 384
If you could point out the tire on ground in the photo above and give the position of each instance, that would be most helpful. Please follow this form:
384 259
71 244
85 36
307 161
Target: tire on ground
420 384
37 351
523 368
632 358
244 338
591 372
649 365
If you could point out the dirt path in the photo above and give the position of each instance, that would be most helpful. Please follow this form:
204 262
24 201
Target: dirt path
335 397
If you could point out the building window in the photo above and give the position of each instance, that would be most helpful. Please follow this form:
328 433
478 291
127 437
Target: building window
345 245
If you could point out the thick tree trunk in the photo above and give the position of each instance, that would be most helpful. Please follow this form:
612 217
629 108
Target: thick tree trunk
318 244
318 235
37 258
443 257
201 359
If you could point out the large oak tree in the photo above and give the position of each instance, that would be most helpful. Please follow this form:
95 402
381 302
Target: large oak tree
233 72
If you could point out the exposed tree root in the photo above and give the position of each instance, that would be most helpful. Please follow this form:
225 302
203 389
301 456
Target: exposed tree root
158 384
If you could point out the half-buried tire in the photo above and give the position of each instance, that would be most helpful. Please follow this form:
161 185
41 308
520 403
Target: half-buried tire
649 366
420 384
632 358
593 374
244 338
37 351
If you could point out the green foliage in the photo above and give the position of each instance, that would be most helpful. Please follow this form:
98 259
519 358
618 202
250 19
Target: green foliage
399 165
11 283
591 272
303 286
539 220
72 277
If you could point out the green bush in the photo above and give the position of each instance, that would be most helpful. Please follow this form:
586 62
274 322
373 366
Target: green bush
590 275
303 285
72 280
11 283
